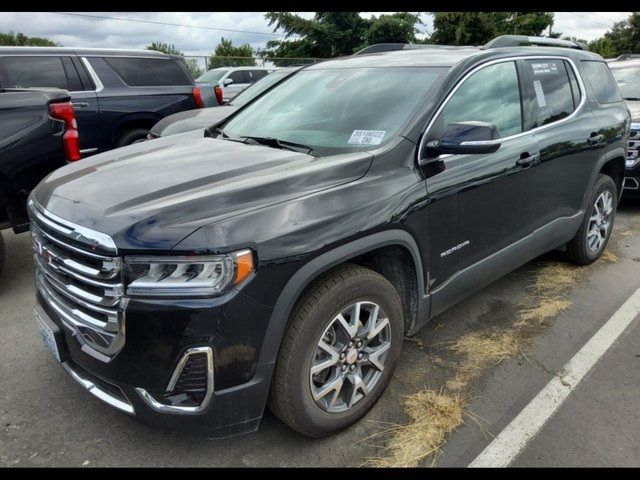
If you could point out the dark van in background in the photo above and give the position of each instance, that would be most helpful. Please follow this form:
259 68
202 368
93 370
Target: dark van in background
118 95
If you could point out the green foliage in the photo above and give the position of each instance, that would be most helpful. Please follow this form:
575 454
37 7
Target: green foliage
332 34
164 48
193 67
227 55
21 40
624 37
477 28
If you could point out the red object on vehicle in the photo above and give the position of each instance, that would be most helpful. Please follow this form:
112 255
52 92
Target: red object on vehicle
64 111
219 95
197 96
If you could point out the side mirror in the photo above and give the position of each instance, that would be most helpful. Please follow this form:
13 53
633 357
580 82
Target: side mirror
468 138
228 81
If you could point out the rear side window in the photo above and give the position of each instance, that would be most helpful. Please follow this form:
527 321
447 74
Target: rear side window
148 72
602 81
255 75
237 77
28 71
490 95
549 95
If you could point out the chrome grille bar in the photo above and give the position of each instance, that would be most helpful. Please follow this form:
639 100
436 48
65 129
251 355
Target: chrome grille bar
80 278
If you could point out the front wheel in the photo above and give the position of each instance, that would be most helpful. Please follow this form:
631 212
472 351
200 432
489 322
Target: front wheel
338 353
130 137
595 231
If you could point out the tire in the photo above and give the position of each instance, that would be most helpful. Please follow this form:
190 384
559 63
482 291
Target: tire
314 318
578 249
2 253
131 136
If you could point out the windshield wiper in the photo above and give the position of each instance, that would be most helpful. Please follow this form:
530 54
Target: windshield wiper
283 144
633 99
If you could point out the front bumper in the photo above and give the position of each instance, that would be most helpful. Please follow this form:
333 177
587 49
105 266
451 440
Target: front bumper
136 380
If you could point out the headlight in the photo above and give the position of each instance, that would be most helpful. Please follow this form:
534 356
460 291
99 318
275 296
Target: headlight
186 275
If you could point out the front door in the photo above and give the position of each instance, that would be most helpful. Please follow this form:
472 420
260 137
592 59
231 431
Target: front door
479 204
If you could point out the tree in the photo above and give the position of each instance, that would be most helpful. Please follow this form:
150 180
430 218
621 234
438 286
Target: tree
164 48
227 55
190 63
477 28
624 37
332 34
21 40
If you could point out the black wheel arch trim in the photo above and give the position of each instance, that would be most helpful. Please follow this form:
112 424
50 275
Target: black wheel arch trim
324 262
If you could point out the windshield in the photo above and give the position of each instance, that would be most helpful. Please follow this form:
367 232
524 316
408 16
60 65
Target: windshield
337 110
260 86
628 80
211 76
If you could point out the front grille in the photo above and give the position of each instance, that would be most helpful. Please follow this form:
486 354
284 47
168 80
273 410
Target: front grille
634 146
79 277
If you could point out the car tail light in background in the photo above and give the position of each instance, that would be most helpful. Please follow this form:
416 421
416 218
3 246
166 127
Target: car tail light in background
219 96
64 111
197 97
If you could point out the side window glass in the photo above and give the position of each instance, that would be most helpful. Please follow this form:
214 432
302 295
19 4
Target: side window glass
575 88
549 92
237 77
602 81
72 75
31 71
490 95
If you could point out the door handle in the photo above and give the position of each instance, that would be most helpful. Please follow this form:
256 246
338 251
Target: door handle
595 138
526 160
80 104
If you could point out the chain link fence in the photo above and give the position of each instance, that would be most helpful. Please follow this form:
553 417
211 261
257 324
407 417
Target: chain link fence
200 64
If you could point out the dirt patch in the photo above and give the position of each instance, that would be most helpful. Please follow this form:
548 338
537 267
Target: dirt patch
609 256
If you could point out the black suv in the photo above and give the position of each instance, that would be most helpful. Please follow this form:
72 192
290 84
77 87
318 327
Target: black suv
626 70
118 95
281 256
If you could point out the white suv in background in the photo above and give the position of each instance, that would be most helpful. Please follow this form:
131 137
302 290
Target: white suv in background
229 81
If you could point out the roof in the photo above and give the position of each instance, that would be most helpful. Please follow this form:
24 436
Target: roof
243 68
445 56
81 51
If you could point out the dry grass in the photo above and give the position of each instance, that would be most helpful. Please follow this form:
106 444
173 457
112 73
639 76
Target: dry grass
433 416
609 256
480 350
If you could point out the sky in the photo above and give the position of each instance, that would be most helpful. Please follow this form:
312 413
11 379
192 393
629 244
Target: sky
72 30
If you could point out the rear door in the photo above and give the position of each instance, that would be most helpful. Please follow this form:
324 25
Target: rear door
556 110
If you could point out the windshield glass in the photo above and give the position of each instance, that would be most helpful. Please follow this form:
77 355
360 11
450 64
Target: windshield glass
337 110
628 80
260 86
211 76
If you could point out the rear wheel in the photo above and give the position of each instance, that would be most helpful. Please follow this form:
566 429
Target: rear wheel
132 136
338 353
595 231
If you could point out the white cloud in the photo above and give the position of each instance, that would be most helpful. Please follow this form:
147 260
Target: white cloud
76 31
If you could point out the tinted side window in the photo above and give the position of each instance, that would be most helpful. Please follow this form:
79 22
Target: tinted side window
575 88
549 94
237 77
602 81
256 75
31 71
148 72
490 95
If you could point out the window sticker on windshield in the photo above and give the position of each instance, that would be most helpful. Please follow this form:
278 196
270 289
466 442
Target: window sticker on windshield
366 137
541 68
537 86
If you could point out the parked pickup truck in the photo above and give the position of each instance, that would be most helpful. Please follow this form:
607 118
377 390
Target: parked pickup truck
38 135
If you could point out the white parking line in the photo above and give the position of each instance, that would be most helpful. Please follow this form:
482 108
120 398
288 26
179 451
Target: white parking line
524 427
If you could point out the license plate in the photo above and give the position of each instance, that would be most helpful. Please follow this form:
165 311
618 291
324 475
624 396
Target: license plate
46 332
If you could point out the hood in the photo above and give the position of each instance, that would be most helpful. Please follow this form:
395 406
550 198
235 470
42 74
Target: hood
150 195
634 107
191 120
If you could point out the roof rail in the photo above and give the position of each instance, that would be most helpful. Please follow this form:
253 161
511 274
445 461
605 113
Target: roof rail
519 40
381 47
